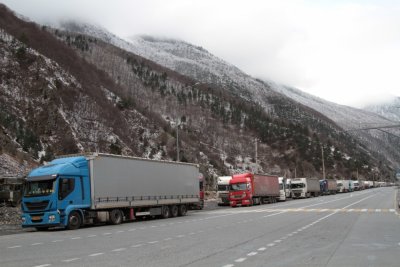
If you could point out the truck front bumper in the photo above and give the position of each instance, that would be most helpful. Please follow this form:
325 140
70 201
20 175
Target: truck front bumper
243 202
41 219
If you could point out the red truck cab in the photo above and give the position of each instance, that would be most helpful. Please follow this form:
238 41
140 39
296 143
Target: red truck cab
241 190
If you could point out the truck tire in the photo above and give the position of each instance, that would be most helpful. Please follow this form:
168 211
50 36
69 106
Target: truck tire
116 216
74 220
182 210
174 210
165 212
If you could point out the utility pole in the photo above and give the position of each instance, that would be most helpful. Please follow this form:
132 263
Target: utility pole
255 141
323 163
177 142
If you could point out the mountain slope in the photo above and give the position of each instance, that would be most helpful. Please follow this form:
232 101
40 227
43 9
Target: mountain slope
291 133
199 64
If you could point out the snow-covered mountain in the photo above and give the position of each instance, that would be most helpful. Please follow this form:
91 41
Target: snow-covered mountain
389 109
198 63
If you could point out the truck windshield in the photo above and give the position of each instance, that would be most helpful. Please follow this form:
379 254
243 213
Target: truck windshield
237 187
223 187
301 185
39 188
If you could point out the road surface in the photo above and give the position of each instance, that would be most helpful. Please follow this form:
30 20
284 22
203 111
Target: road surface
352 229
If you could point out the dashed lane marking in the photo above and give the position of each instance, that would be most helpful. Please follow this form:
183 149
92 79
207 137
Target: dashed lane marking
71 260
43 265
252 253
15 246
36 244
96 254
118 249
58 240
264 248
240 260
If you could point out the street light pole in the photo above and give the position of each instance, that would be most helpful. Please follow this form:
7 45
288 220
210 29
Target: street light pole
177 142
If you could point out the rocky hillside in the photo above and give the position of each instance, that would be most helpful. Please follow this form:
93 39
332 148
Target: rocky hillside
66 92
199 64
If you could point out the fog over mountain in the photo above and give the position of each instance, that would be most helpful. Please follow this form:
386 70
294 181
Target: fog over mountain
301 44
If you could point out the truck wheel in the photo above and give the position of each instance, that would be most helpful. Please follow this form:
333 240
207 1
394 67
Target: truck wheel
116 216
182 210
174 210
165 212
74 220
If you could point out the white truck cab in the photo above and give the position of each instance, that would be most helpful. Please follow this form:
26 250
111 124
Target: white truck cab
223 190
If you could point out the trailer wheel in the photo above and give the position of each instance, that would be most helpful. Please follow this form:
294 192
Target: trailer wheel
74 220
165 212
174 210
116 216
182 210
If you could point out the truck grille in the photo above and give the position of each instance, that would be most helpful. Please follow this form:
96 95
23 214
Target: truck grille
32 206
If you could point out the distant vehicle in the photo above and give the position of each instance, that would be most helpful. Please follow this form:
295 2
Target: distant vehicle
76 190
328 186
305 187
223 190
288 188
343 186
282 189
356 186
11 190
252 189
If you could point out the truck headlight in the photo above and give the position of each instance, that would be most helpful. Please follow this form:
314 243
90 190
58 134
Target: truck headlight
52 218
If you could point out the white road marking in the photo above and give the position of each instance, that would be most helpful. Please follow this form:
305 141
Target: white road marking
131 230
240 260
43 265
271 245
137 245
91 236
55 241
228 265
262 249
96 254
180 236
252 253
192 233
142 228
168 238
153 242
392 210
74 238
69 260
378 210
15 246
35 244
153 226
118 249
277 241
350 210
107 233
118 232
364 210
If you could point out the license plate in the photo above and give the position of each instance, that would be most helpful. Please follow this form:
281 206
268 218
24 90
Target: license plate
36 218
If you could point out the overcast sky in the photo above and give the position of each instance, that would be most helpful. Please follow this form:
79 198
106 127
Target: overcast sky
345 51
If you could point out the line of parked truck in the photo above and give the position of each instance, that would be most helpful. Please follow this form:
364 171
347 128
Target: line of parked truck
251 189
76 190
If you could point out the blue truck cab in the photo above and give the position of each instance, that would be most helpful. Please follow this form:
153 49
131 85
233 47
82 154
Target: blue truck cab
57 194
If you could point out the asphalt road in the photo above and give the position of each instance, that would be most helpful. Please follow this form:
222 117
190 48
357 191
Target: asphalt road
353 229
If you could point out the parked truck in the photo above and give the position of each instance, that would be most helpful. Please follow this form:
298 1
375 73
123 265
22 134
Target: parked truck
11 190
343 186
288 188
223 190
328 186
83 189
251 189
305 187
282 187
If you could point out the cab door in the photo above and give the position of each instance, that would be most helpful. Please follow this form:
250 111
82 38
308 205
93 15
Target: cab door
69 192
